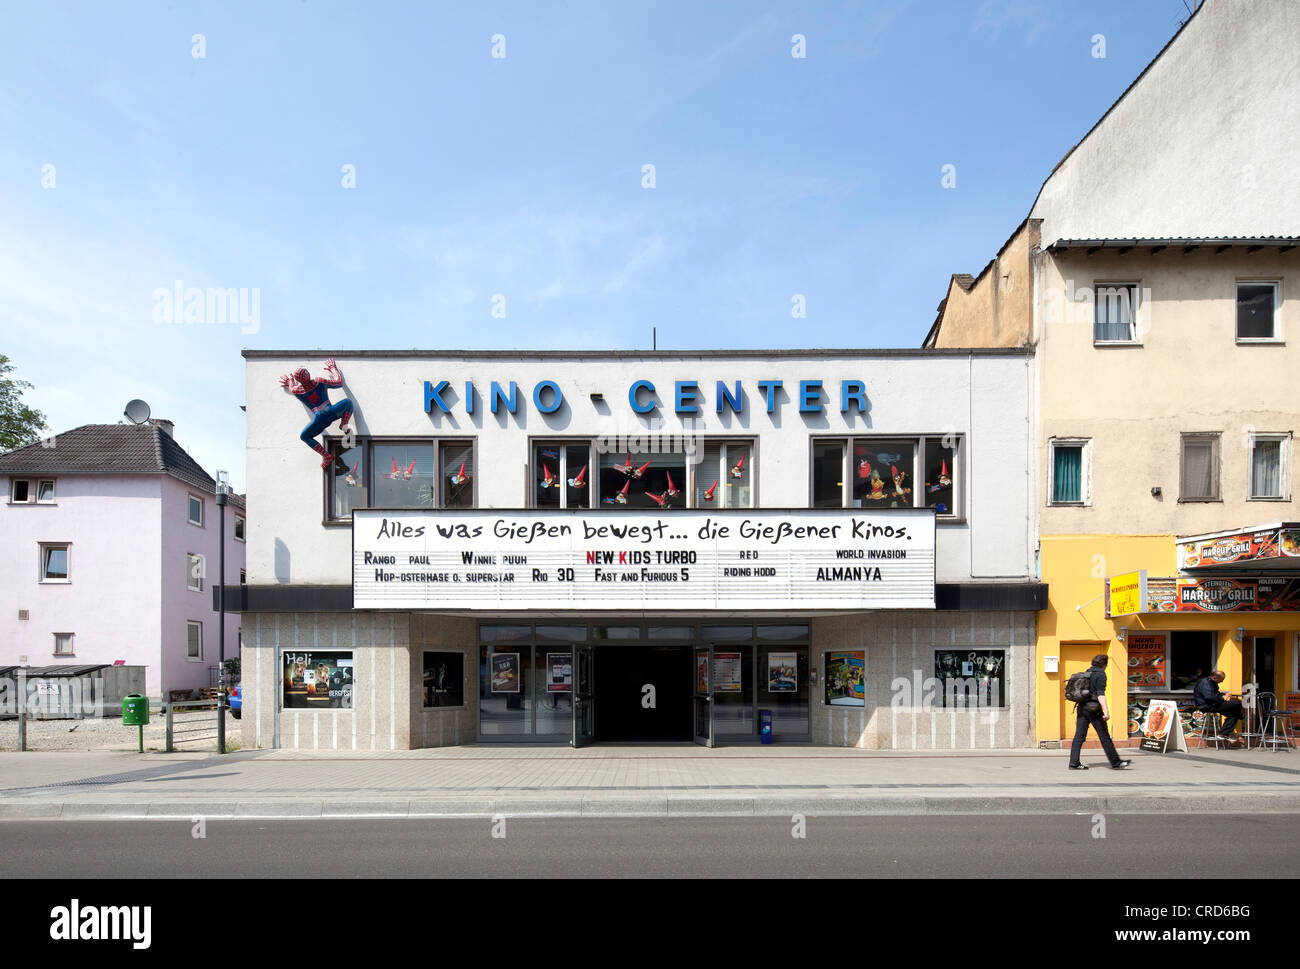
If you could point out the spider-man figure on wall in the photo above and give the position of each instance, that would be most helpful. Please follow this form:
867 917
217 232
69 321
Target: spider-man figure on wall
314 395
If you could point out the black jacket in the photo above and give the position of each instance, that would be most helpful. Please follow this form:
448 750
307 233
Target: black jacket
1207 694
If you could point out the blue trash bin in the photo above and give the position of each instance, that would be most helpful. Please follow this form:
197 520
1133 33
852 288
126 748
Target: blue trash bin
765 725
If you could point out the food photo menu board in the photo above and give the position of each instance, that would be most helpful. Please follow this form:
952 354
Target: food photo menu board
1146 661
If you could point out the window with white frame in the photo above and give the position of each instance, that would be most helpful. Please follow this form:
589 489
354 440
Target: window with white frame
1270 461
239 528
45 491
63 644
723 477
1199 467
1068 469
20 491
1257 310
194 511
194 641
194 573
1115 313
54 562
888 472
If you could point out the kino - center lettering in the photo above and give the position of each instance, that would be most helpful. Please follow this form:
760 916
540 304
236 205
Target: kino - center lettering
687 396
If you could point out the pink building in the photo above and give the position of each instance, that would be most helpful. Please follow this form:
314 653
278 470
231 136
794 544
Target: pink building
109 550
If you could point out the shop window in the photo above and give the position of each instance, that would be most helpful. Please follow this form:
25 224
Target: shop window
503 634
845 678
1269 460
553 690
1115 313
1257 308
654 480
194 641
317 679
1199 472
728 634
615 632
194 511
970 678
733 691
1191 657
45 491
724 476
883 473
1068 467
63 644
54 563
505 690
561 475
444 679
782 633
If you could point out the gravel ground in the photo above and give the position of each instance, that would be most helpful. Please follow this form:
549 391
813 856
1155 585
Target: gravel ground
110 734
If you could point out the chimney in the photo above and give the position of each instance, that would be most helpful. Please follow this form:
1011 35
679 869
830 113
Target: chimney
164 425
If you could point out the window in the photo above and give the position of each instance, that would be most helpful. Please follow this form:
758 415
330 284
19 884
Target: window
63 644
1191 656
394 474
194 641
239 528
444 679
883 473
243 577
1069 471
970 678
20 491
561 475
54 563
1200 468
317 680
45 491
645 480
1269 465
724 475
1115 313
195 512
1257 309
194 573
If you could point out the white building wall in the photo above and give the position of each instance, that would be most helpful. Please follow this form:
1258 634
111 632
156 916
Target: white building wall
981 396
1206 144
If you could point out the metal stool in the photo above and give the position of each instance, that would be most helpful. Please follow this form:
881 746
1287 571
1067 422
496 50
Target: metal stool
1277 731
1210 722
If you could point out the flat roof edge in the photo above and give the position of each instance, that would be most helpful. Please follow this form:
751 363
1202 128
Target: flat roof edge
634 354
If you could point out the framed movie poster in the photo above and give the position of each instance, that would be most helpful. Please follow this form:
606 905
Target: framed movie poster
444 679
559 672
846 678
317 679
702 671
505 672
782 672
727 670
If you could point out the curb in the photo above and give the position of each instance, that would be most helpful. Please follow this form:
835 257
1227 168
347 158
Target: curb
660 806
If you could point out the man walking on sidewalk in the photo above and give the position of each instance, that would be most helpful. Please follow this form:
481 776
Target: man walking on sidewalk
1094 711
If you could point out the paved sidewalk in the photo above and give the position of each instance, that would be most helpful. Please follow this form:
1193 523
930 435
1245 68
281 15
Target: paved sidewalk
657 781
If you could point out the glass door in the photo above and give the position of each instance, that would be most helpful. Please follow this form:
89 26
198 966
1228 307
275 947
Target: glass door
584 707
703 698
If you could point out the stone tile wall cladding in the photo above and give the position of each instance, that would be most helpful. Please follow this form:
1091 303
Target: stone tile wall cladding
897 644
388 706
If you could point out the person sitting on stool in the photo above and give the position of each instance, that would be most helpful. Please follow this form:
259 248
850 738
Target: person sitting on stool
1210 700
1096 712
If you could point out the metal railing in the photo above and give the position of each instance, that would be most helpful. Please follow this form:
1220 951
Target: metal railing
206 731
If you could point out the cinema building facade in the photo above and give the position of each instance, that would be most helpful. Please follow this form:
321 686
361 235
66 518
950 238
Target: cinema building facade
575 548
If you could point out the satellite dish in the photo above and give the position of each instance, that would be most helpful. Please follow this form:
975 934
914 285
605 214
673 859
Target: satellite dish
137 411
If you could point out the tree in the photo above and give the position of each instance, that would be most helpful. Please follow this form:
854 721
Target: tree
20 425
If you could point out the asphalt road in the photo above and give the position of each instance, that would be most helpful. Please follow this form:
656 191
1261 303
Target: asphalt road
1055 846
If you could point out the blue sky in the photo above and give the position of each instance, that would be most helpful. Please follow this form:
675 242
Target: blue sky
478 176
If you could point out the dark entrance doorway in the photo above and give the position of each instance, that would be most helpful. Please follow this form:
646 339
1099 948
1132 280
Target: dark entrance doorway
626 709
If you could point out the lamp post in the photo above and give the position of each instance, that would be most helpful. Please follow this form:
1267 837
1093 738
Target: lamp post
223 490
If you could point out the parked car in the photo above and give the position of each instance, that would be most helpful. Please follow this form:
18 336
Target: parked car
236 700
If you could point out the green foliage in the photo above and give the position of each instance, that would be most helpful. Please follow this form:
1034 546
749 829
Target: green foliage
20 425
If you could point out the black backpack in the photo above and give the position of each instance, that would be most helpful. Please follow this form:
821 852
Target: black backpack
1078 688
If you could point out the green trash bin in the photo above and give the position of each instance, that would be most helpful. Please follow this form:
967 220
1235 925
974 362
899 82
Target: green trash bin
135 710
